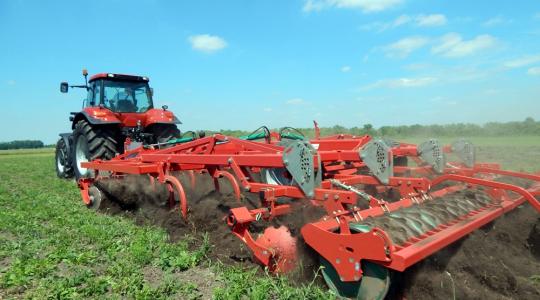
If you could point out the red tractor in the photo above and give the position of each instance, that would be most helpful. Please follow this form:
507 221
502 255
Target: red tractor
117 108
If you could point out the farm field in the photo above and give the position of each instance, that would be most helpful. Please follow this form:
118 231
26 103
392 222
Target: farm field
51 246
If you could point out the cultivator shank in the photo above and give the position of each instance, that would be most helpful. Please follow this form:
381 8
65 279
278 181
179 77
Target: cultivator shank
380 213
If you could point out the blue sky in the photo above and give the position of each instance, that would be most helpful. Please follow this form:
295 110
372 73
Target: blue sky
242 64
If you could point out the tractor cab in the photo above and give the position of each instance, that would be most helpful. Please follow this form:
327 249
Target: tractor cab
119 93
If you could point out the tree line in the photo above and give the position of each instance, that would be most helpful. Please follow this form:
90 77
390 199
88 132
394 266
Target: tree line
527 127
24 144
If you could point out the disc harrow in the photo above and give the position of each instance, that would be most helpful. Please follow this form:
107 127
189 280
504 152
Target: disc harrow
365 233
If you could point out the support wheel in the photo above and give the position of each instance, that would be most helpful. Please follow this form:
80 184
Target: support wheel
64 169
374 284
93 142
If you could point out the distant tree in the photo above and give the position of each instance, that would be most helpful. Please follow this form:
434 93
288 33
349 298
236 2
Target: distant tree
24 144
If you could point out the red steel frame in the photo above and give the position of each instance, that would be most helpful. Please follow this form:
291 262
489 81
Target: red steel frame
234 159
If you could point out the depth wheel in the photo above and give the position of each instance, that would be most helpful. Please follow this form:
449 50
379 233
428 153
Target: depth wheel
374 284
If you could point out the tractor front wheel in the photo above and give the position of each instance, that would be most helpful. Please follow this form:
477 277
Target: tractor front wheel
64 169
92 142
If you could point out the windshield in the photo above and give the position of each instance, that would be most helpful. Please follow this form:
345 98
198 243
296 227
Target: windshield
126 96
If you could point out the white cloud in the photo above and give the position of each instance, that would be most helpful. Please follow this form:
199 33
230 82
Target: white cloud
534 71
11 82
431 20
537 16
207 43
366 6
296 101
522 61
453 45
345 69
402 83
405 46
267 109
382 26
419 21
498 20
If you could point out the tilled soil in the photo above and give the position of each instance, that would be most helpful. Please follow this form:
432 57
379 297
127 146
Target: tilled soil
499 261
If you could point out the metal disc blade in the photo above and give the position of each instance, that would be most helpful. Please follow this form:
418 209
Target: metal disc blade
277 176
283 247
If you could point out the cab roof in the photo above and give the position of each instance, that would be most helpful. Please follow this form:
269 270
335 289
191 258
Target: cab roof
119 77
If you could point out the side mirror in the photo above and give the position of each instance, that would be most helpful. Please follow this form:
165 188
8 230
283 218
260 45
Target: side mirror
64 87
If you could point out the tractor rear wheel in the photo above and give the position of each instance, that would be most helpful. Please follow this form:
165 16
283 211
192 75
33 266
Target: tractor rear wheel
63 165
162 133
93 142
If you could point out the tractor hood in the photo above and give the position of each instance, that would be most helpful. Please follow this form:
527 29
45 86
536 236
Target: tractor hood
97 115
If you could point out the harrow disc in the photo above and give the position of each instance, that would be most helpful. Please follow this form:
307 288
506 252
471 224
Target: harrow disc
96 197
282 246
375 280
277 176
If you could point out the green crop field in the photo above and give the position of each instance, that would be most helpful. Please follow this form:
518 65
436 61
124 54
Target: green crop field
51 246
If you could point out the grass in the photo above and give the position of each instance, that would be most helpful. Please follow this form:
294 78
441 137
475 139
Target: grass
38 151
51 246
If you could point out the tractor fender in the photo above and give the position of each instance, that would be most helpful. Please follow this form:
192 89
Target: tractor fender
160 116
95 116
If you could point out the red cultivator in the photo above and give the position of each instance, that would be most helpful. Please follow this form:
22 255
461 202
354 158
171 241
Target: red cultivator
380 213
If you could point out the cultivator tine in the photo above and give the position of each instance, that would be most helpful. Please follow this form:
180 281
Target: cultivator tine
176 194
366 228
224 174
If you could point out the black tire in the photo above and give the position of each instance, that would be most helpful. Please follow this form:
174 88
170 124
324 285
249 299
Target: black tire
93 142
64 169
162 133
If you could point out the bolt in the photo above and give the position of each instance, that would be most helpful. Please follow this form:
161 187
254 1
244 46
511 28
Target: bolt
338 261
351 260
336 197
285 162
325 196
265 252
247 188
230 160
